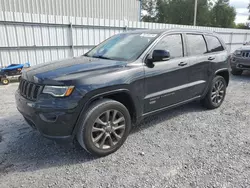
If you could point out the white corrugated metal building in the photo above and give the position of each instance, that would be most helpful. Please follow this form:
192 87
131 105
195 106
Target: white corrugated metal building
39 31
109 9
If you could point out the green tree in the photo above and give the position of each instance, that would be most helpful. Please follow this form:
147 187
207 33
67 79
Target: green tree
182 12
241 26
222 14
148 7
248 10
219 14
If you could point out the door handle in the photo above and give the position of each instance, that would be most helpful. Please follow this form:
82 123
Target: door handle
182 64
211 58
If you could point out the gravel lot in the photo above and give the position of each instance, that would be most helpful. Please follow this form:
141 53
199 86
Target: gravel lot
185 147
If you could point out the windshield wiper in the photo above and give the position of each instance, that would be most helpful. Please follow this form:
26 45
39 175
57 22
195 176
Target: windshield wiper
102 57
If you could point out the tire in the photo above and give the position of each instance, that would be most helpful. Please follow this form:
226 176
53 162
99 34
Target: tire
214 98
5 81
236 72
19 78
91 129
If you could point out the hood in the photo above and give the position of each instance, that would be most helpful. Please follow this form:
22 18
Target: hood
247 47
60 69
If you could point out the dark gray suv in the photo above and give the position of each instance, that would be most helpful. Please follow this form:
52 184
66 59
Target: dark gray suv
97 97
240 60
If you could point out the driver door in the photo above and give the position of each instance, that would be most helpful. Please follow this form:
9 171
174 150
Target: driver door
167 82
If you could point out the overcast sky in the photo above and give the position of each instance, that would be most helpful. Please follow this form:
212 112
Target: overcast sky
241 9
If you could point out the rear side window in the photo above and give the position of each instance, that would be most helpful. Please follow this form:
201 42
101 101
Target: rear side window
213 44
196 44
172 43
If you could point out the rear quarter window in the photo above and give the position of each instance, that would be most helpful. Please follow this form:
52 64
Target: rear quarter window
213 44
196 44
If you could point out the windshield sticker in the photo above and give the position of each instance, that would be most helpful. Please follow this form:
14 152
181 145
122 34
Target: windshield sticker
148 35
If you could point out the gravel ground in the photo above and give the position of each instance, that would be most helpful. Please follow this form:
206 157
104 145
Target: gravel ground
184 147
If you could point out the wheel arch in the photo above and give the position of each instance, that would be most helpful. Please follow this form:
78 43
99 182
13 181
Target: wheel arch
224 73
121 95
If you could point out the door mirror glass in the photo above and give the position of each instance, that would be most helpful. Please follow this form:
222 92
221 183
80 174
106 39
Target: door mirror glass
160 55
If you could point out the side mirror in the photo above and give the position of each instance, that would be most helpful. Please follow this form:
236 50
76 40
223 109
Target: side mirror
160 55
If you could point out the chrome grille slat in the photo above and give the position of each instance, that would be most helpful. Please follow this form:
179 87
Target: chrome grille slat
36 91
245 54
23 89
21 83
29 90
32 91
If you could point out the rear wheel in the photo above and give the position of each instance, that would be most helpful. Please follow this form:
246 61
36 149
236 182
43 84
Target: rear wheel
5 81
216 93
104 127
236 72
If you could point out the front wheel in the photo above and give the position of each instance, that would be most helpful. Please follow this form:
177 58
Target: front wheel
216 93
5 81
104 127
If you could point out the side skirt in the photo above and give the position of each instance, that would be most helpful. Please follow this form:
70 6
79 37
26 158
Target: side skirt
171 106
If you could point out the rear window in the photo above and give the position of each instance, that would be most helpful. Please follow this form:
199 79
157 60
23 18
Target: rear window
213 43
196 44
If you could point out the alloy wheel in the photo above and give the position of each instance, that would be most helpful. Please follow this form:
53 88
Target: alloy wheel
108 129
218 92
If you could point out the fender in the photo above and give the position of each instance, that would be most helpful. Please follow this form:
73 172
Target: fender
221 70
102 95
210 81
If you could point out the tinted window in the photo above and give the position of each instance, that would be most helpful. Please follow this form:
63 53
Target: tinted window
214 44
172 43
196 44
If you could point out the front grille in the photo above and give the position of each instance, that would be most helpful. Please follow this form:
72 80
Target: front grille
29 90
245 54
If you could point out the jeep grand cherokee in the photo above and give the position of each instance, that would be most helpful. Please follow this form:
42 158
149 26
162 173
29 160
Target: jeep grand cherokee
96 97
240 60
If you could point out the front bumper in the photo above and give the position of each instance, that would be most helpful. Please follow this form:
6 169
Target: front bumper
53 119
240 63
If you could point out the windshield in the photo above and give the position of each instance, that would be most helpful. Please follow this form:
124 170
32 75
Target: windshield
124 47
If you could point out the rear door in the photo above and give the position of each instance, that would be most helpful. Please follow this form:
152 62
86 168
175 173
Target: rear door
199 60
217 54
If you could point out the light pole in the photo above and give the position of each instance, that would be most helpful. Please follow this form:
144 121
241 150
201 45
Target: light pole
195 12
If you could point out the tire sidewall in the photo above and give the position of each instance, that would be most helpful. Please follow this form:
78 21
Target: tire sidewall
85 131
216 79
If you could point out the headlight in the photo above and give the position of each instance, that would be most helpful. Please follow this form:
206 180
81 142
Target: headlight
59 91
237 52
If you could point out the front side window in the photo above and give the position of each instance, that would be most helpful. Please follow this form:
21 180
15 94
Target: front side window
196 44
123 47
213 44
173 44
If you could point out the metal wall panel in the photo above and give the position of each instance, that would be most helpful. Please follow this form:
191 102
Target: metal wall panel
38 38
110 9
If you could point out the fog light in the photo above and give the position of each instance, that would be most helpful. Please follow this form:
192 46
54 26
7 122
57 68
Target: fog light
50 117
